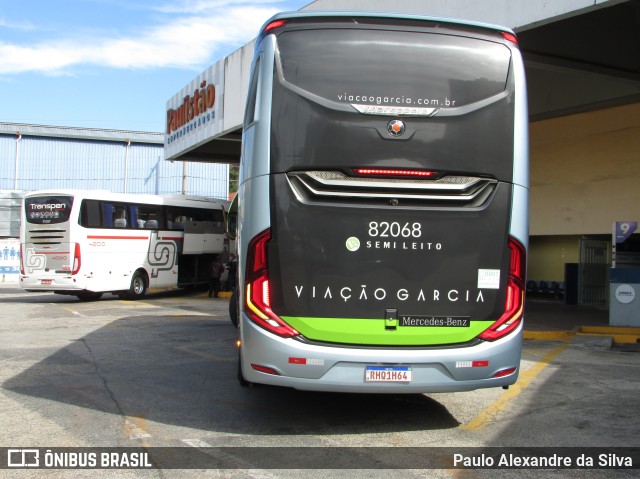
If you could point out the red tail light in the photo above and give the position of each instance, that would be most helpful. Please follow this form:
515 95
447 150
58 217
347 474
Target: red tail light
258 289
514 300
510 37
21 260
76 259
273 25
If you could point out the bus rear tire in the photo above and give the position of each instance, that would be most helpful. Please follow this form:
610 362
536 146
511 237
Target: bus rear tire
138 287
88 296
233 308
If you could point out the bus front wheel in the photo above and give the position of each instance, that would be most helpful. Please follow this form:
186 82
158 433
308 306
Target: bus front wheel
138 286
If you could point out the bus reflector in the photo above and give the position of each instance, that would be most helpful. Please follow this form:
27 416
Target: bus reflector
258 289
504 372
21 260
514 298
386 172
76 259
265 369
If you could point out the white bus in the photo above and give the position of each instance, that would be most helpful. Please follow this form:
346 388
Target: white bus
382 205
86 243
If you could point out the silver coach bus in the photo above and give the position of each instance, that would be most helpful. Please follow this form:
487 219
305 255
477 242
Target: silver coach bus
382 211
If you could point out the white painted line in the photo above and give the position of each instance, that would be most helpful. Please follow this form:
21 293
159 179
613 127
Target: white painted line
196 443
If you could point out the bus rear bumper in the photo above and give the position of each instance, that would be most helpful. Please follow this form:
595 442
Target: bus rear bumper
53 283
316 367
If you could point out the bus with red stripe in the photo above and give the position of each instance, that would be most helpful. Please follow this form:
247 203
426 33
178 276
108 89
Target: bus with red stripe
86 243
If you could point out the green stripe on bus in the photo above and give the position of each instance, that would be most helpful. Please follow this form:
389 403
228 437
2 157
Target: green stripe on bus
373 332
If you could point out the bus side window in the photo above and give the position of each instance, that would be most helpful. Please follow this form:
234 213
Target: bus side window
120 216
150 216
136 222
114 215
107 215
252 97
176 217
90 216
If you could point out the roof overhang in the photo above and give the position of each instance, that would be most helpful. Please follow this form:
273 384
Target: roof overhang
579 55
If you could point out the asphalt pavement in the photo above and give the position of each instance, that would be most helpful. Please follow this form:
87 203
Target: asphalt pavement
555 315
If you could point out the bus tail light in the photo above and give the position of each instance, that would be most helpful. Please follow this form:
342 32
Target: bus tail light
21 260
258 289
273 25
510 37
394 173
76 259
514 300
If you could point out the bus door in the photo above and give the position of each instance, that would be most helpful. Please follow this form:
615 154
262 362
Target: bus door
163 250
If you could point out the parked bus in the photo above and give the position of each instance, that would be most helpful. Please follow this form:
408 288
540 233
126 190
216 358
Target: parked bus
86 243
383 205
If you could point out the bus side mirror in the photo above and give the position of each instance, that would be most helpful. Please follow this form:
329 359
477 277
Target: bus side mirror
232 220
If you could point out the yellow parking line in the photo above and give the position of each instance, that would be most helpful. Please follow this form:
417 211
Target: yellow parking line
491 412
72 311
136 428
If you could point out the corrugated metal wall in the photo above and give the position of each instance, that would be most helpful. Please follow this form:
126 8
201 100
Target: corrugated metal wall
46 162
10 204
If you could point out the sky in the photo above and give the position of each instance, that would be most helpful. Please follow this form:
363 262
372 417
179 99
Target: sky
113 64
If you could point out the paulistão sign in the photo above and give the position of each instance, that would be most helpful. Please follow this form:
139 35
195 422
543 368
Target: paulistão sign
194 114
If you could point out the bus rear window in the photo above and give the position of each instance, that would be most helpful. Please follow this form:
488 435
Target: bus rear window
394 68
48 209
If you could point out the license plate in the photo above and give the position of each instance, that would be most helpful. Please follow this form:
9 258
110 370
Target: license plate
388 374
46 281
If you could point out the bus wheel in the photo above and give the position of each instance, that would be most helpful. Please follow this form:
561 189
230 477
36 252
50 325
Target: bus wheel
138 286
233 308
89 296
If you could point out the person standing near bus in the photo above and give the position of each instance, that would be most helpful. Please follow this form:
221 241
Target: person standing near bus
217 268
232 267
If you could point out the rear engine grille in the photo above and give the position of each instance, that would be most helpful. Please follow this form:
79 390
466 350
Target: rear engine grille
46 237
327 187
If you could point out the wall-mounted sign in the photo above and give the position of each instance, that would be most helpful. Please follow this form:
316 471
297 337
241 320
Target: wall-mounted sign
624 229
194 115
625 293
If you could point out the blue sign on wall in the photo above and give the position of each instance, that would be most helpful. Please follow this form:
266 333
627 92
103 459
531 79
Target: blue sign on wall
624 229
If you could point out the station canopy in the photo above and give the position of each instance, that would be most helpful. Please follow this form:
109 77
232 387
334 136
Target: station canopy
579 55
